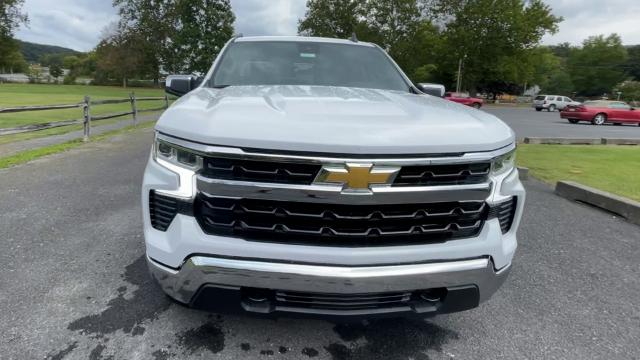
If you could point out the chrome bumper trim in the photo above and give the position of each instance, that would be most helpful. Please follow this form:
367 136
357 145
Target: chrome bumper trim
334 194
183 284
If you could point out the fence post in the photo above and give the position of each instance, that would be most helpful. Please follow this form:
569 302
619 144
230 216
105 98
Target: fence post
166 101
87 118
134 108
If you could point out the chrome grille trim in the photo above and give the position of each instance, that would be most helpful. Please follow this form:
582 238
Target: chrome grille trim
333 194
400 160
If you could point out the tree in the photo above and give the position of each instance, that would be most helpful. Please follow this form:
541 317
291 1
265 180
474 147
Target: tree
177 35
396 25
71 62
331 18
118 57
10 18
633 63
489 35
204 28
630 90
598 66
14 62
55 71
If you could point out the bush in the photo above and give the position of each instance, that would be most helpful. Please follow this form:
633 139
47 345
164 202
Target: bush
69 80
630 90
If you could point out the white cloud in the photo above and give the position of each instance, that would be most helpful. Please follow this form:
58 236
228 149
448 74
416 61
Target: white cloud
584 18
76 24
273 17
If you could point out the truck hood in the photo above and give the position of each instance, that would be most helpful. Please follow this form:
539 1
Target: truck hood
332 120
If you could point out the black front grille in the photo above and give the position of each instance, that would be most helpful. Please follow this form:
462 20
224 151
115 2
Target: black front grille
339 225
259 171
292 299
162 210
457 174
299 173
505 212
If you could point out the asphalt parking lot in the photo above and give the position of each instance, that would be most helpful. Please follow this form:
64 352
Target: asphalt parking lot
74 283
527 122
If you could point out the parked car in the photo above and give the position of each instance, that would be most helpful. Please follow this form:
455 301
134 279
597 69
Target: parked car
310 176
552 102
464 99
599 112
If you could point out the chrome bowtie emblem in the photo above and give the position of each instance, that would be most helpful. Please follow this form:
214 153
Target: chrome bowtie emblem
357 177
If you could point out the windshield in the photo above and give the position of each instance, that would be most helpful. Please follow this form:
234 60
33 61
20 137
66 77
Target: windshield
596 103
306 63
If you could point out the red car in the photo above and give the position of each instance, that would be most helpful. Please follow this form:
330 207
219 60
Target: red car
599 112
464 99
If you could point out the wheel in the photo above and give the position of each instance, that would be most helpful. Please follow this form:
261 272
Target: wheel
552 108
599 119
538 109
573 121
476 105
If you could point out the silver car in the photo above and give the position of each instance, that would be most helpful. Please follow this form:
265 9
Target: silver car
552 102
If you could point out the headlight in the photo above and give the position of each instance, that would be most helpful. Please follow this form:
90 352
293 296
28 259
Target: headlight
503 163
176 155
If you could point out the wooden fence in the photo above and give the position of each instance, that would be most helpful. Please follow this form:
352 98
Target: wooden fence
86 106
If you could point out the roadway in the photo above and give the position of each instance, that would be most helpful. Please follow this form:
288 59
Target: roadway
75 285
527 122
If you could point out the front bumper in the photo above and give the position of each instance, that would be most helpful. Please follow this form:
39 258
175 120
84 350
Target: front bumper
189 263
202 280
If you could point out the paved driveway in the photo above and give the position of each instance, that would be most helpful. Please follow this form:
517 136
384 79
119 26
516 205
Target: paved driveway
74 283
528 122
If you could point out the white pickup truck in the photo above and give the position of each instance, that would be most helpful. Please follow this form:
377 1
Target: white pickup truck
309 176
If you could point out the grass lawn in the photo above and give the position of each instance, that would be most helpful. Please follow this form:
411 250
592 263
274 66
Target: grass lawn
45 94
29 155
615 169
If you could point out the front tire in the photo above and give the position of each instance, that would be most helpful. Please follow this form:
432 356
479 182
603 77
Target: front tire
476 105
599 119
538 109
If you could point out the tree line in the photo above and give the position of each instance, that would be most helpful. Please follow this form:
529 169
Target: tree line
493 44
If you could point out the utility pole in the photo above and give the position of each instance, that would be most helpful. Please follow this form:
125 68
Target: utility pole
459 81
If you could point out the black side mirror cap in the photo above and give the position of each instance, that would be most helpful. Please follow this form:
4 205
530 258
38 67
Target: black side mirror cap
431 89
179 85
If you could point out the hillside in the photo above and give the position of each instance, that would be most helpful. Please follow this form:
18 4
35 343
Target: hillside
32 51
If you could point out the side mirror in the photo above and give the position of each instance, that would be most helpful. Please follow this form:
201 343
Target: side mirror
431 89
179 85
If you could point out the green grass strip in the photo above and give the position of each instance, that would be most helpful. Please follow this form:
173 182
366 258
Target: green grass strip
615 169
29 155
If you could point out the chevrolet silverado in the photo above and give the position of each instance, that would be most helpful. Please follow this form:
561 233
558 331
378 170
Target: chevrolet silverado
306 175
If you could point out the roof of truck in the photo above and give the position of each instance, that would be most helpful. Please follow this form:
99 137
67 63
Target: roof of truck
301 38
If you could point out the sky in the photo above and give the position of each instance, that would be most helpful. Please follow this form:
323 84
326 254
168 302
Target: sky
78 24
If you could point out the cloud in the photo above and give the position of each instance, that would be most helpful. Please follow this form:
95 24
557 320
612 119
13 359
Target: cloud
78 23
584 18
274 17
